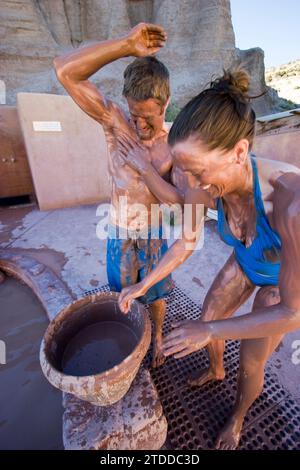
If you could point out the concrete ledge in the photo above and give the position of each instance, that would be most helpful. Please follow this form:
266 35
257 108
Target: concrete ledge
50 290
135 422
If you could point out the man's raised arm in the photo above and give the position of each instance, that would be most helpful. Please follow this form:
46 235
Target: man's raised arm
74 69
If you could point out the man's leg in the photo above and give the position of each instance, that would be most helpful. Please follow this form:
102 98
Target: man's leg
158 313
253 357
228 292
121 263
149 253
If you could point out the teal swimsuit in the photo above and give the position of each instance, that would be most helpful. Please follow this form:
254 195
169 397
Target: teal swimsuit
253 259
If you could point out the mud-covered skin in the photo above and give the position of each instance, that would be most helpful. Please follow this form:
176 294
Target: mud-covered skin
144 124
126 182
276 309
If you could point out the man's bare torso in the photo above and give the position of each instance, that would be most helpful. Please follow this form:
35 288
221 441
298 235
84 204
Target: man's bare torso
125 181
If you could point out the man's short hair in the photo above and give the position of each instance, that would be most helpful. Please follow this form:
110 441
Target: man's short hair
147 77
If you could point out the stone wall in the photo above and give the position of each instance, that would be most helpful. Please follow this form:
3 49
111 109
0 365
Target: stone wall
200 44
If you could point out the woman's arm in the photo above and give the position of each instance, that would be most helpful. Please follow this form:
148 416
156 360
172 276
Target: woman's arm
135 155
176 254
165 192
270 321
285 316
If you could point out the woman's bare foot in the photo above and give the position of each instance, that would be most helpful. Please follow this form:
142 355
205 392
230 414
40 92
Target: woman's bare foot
206 375
230 435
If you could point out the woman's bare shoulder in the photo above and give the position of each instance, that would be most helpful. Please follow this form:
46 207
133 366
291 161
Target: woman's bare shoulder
270 170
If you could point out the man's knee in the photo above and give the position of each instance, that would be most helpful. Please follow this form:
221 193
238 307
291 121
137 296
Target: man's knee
207 316
158 307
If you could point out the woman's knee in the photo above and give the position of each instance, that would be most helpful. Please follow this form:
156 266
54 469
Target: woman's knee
254 355
266 296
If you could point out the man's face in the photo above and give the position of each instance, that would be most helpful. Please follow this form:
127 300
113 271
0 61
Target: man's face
147 117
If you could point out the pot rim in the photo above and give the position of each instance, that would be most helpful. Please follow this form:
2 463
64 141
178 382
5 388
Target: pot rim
82 301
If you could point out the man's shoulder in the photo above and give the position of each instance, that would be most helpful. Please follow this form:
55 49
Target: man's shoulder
161 157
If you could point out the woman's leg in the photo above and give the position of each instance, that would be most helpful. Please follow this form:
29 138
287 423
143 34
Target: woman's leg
253 357
228 292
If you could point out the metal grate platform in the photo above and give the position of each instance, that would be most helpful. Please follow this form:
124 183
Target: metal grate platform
195 416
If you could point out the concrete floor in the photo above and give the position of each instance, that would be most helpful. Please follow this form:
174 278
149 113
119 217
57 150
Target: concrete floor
66 240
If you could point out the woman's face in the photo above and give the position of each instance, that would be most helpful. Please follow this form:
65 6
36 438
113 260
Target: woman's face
214 170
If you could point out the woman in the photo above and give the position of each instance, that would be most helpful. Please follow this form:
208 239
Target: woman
258 203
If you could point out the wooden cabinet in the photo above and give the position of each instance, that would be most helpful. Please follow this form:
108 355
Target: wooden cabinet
15 177
67 151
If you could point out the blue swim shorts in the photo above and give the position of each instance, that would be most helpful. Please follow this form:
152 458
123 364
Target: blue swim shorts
129 260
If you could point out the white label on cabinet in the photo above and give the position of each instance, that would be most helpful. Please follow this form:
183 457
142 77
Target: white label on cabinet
46 126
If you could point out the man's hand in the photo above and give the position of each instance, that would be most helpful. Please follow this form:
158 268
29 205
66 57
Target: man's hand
146 39
187 337
128 294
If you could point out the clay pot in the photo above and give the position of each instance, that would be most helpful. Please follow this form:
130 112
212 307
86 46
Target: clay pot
109 386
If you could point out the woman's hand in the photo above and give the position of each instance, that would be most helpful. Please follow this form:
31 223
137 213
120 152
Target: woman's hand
134 154
187 337
146 39
128 294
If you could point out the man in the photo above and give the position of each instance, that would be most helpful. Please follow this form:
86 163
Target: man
147 91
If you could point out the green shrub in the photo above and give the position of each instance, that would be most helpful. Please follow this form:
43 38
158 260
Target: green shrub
286 105
172 111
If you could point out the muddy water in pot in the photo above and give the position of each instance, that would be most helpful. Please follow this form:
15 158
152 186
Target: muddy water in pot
93 351
98 347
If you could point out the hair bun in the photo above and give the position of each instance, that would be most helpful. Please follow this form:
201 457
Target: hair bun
234 82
